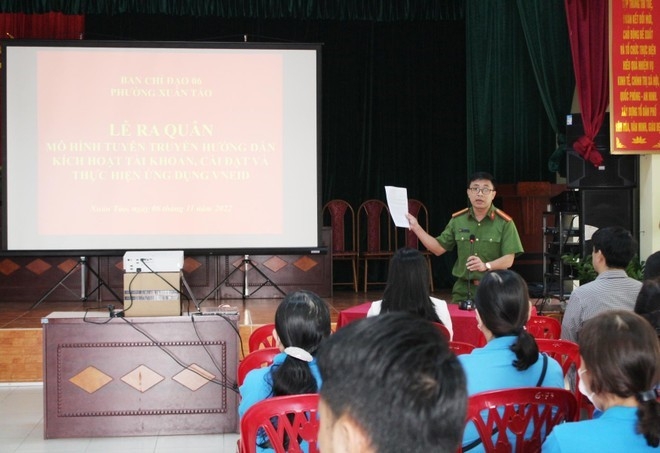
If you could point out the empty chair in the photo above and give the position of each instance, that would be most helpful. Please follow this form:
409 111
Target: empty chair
374 236
262 337
410 239
518 420
256 359
339 214
543 327
567 354
281 422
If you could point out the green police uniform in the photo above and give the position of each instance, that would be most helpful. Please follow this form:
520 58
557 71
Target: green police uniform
495 236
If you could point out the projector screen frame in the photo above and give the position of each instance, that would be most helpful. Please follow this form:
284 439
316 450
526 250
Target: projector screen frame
242 249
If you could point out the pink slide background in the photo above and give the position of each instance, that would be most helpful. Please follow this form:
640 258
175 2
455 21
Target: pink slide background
137 145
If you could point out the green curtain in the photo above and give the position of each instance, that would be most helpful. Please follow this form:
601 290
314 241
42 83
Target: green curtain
553 66
377 10
508 128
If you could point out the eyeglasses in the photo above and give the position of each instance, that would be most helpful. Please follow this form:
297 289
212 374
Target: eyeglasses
476 190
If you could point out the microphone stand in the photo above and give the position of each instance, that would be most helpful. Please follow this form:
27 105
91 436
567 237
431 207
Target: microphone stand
468 304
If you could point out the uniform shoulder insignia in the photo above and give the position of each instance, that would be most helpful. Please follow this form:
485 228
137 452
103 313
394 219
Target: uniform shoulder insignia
504 215
461 212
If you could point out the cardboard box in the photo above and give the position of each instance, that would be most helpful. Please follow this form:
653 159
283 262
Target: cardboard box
152 294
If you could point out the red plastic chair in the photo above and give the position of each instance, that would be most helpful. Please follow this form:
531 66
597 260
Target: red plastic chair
543 327
341 217
443 329
567 354
256 359
375 235
283 419
501 416
262 337
460 347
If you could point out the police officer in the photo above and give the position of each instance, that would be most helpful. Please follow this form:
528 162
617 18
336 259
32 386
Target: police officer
485 237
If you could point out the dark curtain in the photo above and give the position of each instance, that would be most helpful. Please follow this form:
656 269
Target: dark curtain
393 100
398 105
588 32
546 36
508 131
381 10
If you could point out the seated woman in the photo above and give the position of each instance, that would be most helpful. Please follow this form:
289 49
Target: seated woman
302 321
648 303
620 366
511 356
407 289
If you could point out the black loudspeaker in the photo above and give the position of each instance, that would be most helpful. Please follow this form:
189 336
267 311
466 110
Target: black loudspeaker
615 170
607 207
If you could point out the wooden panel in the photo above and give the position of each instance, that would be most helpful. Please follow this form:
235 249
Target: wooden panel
140 376
525 202
21 355
267 273
30 278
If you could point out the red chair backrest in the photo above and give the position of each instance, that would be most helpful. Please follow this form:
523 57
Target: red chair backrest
443 329
418 210
567 354
281 418
512 411
341 217
374 221
460 347
543 327
255 359
262 337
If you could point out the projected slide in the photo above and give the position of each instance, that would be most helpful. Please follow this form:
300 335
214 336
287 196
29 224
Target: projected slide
118 148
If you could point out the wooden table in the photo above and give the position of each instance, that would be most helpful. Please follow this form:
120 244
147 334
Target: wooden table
139 376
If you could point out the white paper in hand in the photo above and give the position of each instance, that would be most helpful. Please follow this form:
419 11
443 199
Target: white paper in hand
397 202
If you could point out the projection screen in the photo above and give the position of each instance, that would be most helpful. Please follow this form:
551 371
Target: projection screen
114 146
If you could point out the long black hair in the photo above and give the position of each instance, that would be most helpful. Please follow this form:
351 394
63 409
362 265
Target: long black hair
302 320
648 303
503 304
408 285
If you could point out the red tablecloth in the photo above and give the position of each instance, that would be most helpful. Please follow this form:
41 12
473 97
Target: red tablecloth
464 322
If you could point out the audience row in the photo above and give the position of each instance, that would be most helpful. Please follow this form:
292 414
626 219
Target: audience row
391 383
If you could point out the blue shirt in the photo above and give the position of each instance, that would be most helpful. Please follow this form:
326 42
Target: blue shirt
258 385
613 431
491 368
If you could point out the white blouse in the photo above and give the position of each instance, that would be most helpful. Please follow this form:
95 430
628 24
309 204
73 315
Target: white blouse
440 309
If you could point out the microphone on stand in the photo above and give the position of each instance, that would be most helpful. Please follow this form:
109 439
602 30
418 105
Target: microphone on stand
468 304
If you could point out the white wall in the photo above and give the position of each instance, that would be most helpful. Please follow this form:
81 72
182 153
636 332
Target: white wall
649 204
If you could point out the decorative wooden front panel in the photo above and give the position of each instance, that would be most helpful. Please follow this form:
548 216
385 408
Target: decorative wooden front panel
139 376
29 278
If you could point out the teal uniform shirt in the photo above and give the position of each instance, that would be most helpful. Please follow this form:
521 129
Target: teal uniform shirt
495 236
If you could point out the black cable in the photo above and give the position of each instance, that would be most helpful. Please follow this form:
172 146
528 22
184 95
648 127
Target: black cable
130 292
238 333
169 284
106 320
233 386
217 365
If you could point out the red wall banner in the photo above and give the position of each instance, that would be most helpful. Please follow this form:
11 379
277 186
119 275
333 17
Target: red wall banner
634 77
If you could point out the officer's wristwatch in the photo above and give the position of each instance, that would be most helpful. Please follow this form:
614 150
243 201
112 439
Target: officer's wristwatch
488 267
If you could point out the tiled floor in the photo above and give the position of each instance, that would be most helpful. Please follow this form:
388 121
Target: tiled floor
22 427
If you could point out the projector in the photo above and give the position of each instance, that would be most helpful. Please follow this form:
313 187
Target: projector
156 261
